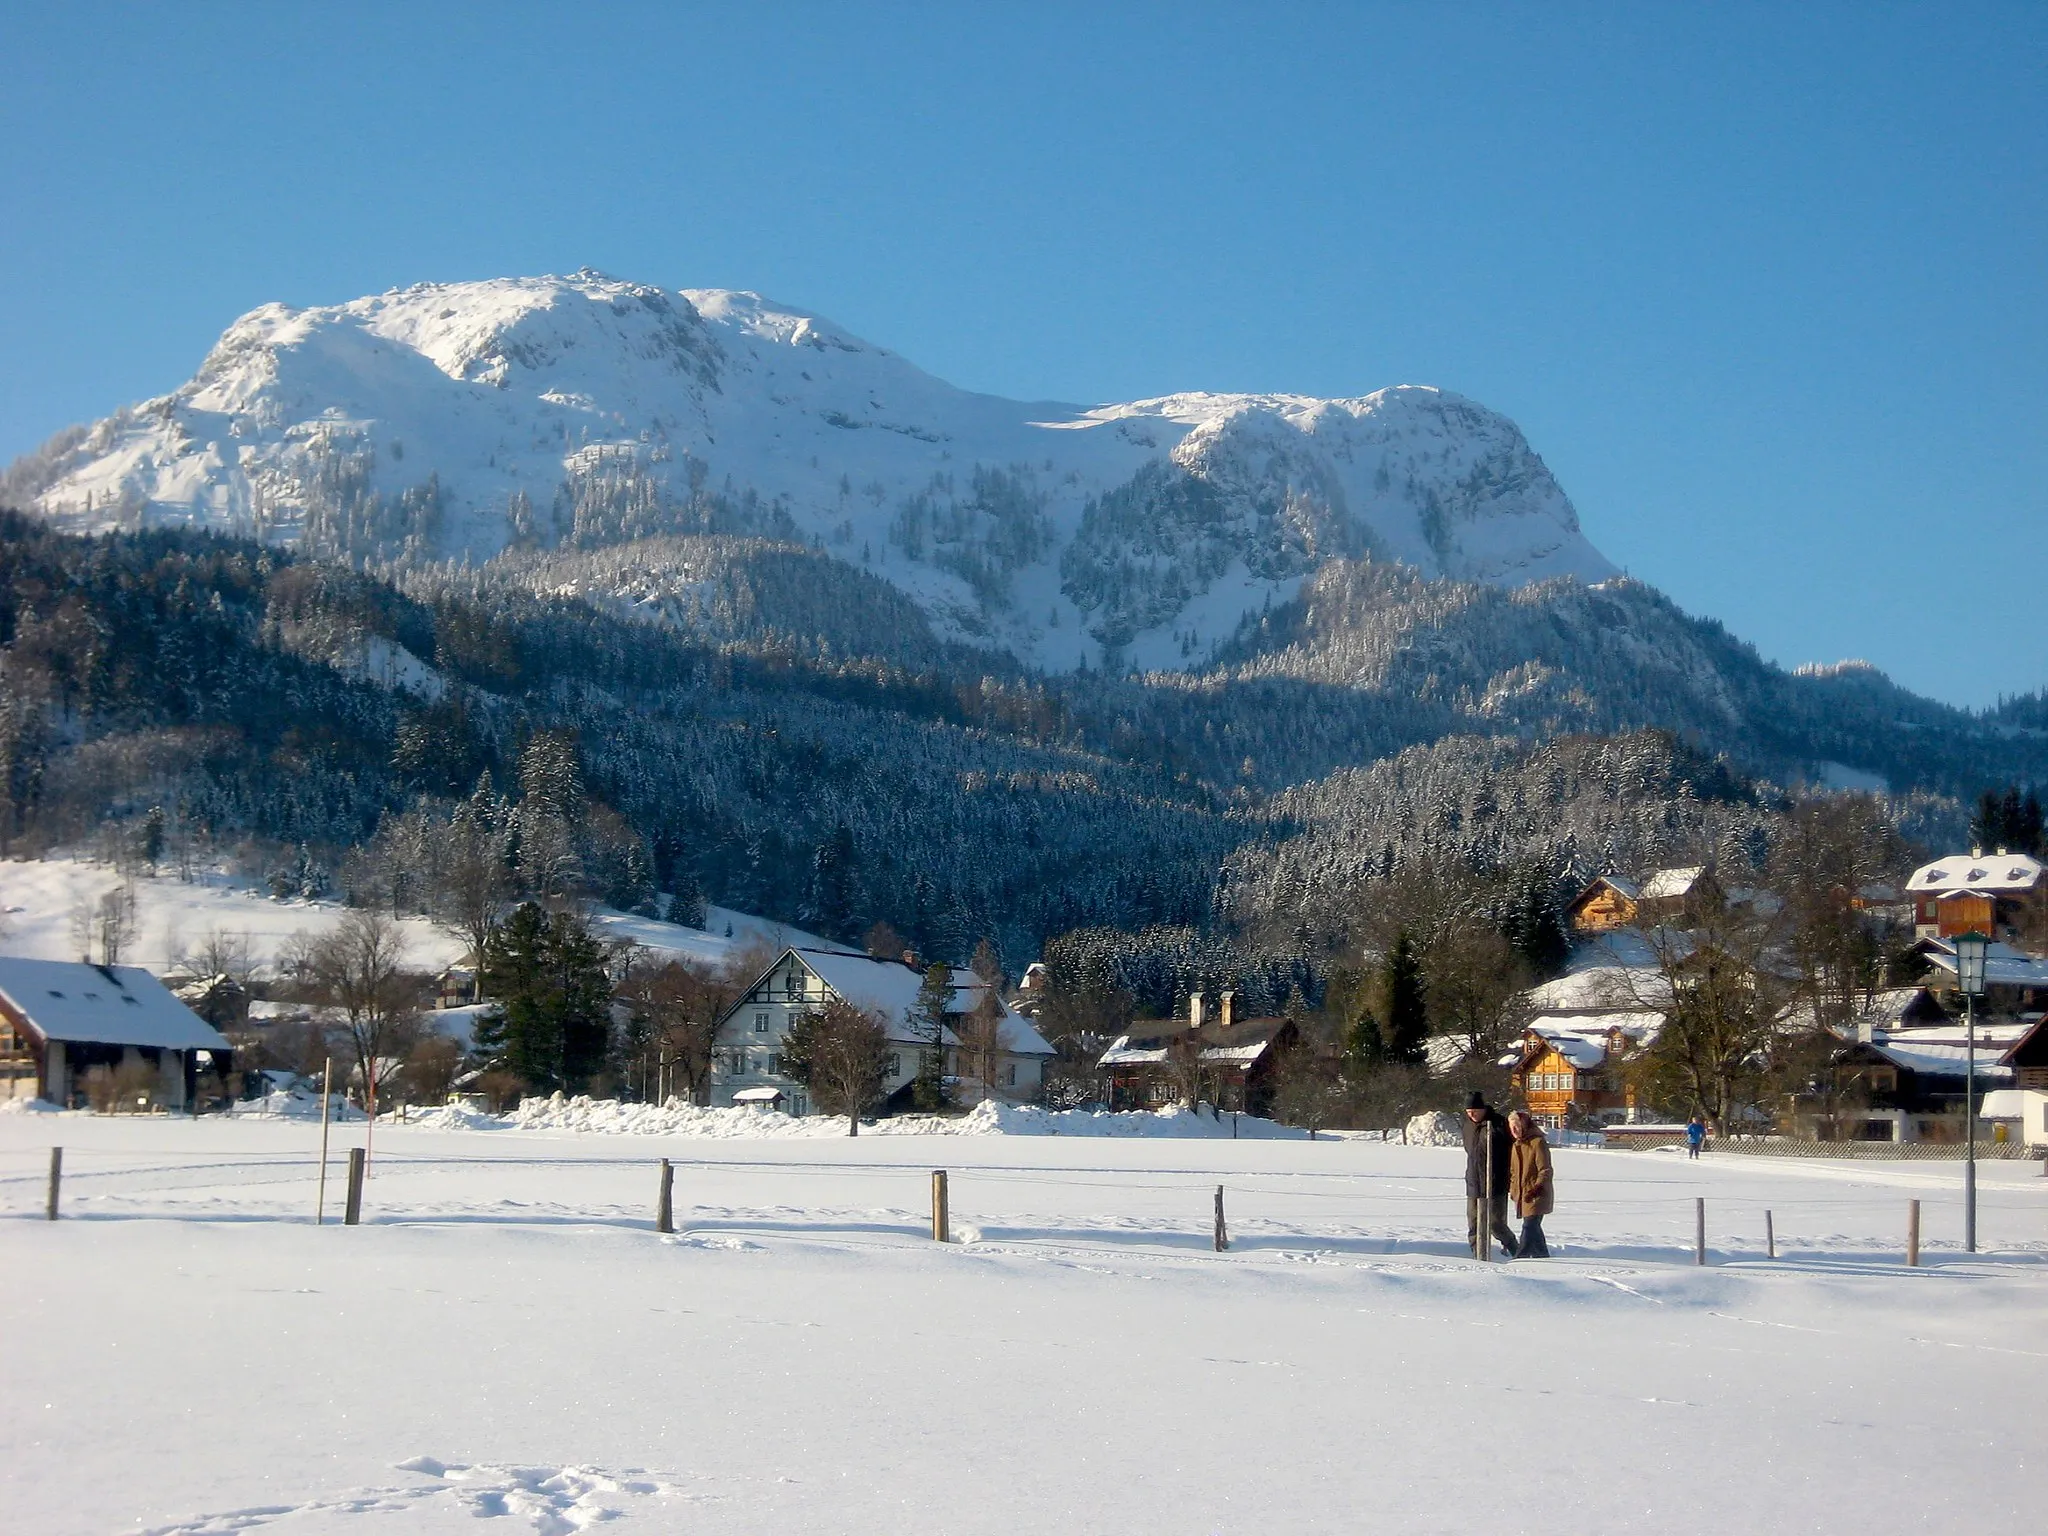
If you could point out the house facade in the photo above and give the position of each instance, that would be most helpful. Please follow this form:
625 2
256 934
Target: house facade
746 1054
1229 1062
1568 1067
2000 895
63 1023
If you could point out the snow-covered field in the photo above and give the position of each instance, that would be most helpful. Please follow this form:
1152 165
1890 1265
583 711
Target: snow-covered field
506 1337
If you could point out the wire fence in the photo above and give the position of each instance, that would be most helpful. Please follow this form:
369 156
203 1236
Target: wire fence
1375 1213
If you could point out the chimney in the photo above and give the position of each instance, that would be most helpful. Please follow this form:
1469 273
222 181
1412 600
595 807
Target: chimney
1228 995
1195 1011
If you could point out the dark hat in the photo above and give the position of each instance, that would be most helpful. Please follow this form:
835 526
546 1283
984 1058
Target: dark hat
1477 1101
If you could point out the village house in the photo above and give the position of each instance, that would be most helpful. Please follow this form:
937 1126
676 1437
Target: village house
1665 896
1568 1067
1231 1063
746 1044
1902 1087
2015 983
2027 1059
2000 895
60 1020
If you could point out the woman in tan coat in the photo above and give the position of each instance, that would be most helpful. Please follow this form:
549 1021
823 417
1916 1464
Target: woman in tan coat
1530 1184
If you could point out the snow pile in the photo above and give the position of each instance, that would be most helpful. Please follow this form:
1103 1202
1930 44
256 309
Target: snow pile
1438 1128
992 1119
28 1107
610 1117
285 1105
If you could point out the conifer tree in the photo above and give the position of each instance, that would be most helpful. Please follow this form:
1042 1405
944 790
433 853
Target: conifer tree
934 998
1407 1022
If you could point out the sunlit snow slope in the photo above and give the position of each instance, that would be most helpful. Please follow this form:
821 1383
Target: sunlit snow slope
457 420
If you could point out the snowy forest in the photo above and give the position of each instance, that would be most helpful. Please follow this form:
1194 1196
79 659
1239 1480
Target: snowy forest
757 724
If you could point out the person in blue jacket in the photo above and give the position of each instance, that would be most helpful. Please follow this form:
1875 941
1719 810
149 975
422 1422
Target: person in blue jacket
1695 1134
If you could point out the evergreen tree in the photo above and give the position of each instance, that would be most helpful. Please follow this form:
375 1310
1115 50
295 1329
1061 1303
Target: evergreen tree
934 998
1406 1026
835 885
582 991
554 994
686 903
551 775
526 1038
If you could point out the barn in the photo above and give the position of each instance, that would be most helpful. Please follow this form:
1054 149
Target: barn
61 1020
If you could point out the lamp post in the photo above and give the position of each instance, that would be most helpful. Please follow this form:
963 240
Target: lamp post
1970 949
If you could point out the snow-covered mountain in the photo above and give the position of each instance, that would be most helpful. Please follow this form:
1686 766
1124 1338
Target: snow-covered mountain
460 421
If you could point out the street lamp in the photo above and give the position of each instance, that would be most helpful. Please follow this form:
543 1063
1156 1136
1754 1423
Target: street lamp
1970 949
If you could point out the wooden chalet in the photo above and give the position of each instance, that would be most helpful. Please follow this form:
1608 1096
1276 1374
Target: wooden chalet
1568 1067
1610 902
2000 895
1231 1063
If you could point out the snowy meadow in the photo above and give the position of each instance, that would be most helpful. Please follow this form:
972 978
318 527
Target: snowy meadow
507 1337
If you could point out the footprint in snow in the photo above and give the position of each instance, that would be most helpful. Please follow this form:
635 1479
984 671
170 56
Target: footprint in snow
549 1501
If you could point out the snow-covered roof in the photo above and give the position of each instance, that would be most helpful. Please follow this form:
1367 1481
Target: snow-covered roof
2002 1104
1122 1053
1978 871
757 1096
2004 966
1666 884
889 989
1602 988
1581 1038
1941 1060
102 1005
1617 883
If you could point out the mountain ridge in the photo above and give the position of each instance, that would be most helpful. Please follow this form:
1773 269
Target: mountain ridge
456 421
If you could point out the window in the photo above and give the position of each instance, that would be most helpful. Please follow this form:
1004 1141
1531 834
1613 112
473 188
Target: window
760 1023
892 1065
1010 1074
775 1061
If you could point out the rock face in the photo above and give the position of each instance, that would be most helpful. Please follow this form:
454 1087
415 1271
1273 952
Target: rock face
460 421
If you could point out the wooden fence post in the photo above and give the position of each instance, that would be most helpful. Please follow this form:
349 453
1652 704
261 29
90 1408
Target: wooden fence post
1222 1232
1770 1236
56 1179
352 1215
665 1205
1699 1232
941 1230
1913 1233
326 1103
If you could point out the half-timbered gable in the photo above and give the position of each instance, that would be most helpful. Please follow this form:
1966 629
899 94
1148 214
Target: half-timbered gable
747 1043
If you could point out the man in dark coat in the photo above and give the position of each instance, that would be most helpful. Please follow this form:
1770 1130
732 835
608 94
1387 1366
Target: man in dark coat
1485 1130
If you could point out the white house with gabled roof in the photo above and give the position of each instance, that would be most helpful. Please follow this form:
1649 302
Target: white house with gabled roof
59 1019
747 1043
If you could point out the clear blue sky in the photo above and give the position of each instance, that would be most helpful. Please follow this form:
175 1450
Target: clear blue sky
1767 286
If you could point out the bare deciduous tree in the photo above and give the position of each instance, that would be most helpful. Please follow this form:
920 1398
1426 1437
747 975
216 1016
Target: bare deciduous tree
680 1005
358 969
106 924
839 1052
